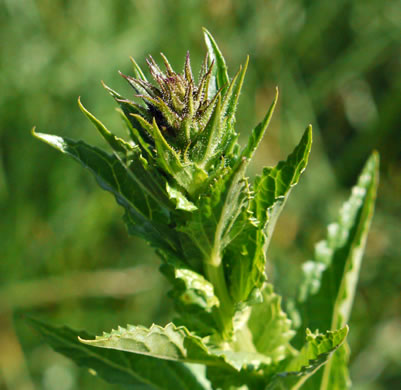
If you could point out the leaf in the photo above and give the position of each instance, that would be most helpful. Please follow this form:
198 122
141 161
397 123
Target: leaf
273 187
270 327
137 133
226 380
138 71
245 256
313 355
220 68
118 367
245 260
210 139
117 144
259 131
193 296
180 200
330 280
189 176
144 216
174 343
218 208
231 97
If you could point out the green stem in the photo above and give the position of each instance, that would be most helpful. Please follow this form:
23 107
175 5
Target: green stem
215 274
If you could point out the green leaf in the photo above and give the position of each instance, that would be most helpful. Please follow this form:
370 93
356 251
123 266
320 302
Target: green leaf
270 327
209 141
180 200
177 344
313 355
139 137
245 256
209 230
330 280
244 260
218 208
118 367
273 187
144 216
227 380
117 144
193 296
189 176
220 67
259 131
138 71
128 109
231 97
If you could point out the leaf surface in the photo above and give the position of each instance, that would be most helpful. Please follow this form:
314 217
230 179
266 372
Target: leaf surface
177 344
270 326
117 367
193 296
220 68
245 257
314 354
144 216
273 187
259 131
330 280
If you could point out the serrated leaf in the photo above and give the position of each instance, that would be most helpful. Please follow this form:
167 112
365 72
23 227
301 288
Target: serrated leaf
313 355
245 260
259 131
117 144
270 326
118 367
177 344
193 296
273 187
218 208
329 282
231 97
245 257
209 230
180 200
144 216
220 68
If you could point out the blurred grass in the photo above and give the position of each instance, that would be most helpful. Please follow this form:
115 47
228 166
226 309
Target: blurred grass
337 65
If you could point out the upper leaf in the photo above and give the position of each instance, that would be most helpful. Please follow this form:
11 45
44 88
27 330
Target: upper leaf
273 187
245 256
259 131
220 69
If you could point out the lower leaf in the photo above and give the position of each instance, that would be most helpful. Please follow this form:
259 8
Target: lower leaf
118 367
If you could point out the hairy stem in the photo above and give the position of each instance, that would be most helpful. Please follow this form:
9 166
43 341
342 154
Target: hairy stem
215 274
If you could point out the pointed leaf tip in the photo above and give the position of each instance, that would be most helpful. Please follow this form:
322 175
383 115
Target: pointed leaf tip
220 70
116 143
259 131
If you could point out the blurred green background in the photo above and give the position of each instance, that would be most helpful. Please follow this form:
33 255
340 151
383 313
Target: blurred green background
64 252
